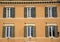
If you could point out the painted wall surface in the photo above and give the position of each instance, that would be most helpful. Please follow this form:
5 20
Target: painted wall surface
19 22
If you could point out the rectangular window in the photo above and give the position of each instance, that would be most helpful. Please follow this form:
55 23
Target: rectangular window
50 11
29 31
29 12
8 12
51 31
8 30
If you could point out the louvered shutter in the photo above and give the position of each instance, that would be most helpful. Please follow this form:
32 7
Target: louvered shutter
54 11
46 11
25 12
46 31
33 12
25 31
4 12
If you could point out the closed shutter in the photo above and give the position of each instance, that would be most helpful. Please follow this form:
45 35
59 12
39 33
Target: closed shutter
4 12
3 31
46 11
56 31
46 31
12 31
25 31
33 31
12 12
25 12
33 12
54 11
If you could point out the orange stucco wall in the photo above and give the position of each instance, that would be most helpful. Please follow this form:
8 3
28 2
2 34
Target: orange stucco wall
19 22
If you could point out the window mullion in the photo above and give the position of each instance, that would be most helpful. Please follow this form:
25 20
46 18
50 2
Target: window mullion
30 31
30 12
51 31
9 32
9 12
51 11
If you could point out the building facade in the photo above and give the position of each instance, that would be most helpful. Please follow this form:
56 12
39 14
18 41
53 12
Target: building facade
29 21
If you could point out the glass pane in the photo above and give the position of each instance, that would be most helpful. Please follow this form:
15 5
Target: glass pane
28 30
11 31
32 31
49 30
53 30
7 31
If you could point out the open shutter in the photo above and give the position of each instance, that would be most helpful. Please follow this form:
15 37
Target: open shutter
3 31
25 31
56 31
25 12
54 11
33 31
46 11
4 12
46 31
33 12
12 12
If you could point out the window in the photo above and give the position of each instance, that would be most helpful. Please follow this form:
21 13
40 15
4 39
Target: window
29 12
29 31
8 30
8 12
50 11
51 31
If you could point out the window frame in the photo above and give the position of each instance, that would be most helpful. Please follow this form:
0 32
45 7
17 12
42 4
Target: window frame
8 13
8 30
50 13
28 12
50 30
29 28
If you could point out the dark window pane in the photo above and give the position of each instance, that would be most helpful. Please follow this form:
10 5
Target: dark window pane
12 31
28 30
7 31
